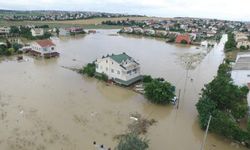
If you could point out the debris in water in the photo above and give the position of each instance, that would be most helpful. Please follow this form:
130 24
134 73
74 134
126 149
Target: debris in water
133 118
139 125
21 112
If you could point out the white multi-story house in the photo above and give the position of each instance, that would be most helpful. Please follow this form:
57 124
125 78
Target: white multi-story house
121 68
37 32
45 48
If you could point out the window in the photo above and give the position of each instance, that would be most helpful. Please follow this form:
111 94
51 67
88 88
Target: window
112 70
129 72
106 61
101 67
52 48
96 66
248 75
118 72
107 68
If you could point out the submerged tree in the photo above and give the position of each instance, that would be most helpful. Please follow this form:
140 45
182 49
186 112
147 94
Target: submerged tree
132 141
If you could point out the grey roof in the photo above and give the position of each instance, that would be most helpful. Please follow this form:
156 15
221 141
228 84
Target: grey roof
244 60
241 66
243 63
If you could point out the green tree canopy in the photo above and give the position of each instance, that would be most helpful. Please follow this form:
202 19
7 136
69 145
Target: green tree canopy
89 69
226 103
159 92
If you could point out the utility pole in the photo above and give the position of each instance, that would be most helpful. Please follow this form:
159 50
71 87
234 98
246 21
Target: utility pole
205 136
179 96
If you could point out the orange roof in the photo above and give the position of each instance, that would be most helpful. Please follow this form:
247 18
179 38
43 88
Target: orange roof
181 37
45 43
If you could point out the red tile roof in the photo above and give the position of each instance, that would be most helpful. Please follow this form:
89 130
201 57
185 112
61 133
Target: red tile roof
182 37
45 43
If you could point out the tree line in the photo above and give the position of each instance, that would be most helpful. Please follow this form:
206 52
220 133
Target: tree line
227 103
26 32
9 49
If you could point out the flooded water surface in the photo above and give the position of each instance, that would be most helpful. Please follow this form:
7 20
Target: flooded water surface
44 106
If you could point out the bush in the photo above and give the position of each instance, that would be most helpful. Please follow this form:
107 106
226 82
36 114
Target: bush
11 51
183 42
89 70
147 78
102 77
132 141
16 46
243 48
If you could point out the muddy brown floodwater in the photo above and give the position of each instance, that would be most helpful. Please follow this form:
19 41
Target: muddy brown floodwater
44 106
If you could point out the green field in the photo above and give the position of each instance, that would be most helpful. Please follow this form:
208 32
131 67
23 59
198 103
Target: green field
94 23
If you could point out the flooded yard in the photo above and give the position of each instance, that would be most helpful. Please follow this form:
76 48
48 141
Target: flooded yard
44 106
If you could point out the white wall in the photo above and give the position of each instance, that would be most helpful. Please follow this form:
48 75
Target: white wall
38 48
114 70
34 33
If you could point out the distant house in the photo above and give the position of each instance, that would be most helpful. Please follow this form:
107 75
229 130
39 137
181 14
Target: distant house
121 68
183 38
63 32
150 32
37 32
241 70
127 30
4 30
45 48
239 36
243 43
138 30
211 33
204 44
75 30
160 33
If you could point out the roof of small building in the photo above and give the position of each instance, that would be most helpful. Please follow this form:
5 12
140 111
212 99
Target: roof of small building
120 57
243 63
241 66
37 29
182 37
45 43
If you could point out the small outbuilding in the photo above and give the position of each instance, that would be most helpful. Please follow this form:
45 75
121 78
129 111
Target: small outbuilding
183 39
